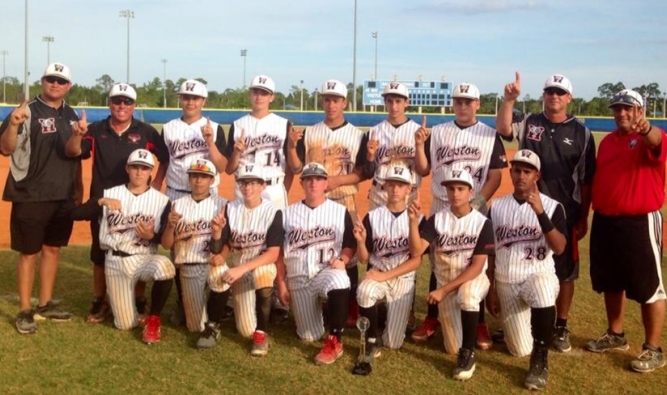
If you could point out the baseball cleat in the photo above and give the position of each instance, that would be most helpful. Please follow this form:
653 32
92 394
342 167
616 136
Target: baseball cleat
330 352
25 322
152 330
649 360
426 329
465 364
608 342
260 344
51 312
483 341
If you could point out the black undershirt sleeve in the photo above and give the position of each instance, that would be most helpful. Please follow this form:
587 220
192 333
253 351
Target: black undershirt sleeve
87 211
485 242
369 234
301 149
220 141
427 229
164 218
558 219
498 156
348 236
275 235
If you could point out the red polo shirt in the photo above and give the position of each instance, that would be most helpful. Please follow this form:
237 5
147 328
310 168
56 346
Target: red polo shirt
629 177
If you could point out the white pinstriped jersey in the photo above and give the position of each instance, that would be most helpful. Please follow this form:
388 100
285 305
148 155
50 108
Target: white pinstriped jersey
192 235
117 228
265 142
248 230
469 148
339 149
185 143
312 237
455 242
390 239
396 145
521 248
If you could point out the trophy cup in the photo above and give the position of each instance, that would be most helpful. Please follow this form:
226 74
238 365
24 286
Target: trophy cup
363 366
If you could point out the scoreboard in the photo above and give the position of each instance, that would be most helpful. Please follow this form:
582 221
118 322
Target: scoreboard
422 93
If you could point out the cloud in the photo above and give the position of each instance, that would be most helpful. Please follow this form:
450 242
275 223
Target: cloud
481 7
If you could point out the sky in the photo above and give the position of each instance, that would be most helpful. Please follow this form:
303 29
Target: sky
478 41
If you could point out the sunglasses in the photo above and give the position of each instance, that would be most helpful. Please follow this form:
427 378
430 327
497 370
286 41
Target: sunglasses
56 80
122 100
555 91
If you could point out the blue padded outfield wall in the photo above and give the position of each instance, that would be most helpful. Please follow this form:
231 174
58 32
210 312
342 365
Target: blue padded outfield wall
361 119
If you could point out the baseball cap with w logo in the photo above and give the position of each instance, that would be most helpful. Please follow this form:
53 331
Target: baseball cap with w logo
558 81
202 166
527 156
193 88
399 173
250 171
396 88
123 90
458 175
334 88
263 82
141 157
466 90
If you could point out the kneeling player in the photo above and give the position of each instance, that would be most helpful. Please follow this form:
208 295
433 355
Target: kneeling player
461 239
255 229
529 229
188 232
382 241
133 217
318 244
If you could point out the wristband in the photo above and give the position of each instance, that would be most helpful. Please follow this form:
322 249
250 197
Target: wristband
545 223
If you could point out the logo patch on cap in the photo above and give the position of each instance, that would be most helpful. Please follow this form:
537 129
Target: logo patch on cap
558 78
58 67
464 88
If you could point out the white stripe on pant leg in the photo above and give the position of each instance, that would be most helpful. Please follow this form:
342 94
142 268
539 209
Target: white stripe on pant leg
515 319
450 322
369 292
540 290
120 289
399 303
244 305
655 235
327 280
154 268
307 310
193 287
471 293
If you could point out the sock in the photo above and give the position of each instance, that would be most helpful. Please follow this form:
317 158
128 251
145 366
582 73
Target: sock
469 328
179 290
263 307
432 309
542 324
353 274
481 319
159 295
215 305
561 322
622 334
338 304
372 314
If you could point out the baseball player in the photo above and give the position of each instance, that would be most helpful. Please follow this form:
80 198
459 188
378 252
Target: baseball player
190 137
188 232
40 184
260 138
382 241
529 228
110 142
255 229
464 143
393 141
461 239
567 149
342 149
133 217
319 242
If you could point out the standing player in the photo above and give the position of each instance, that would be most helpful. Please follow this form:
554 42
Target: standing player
255 228
133 217
188 138
395 138
529 228
382 242
41 185
461 239
110 142
319 242
567 150
188 232
626 234
341 148
260 138
464 143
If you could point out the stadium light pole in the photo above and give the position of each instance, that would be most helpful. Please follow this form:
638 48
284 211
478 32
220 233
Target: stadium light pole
25 66
354 62
244 55
301 108
375 36
48 40
128 14
315 101
164 83
4 77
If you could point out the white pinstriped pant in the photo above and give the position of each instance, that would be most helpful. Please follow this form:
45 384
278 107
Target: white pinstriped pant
466 298
245 302
398 294
194 278
122 274
307 296
537 291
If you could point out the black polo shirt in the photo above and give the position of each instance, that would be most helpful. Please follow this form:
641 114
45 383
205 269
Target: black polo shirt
567 156
39 169
110 151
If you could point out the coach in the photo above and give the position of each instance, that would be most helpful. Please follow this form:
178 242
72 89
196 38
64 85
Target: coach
626 234
40 186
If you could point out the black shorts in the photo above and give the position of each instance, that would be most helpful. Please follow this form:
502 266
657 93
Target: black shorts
34 224
97 255
626 254
567 263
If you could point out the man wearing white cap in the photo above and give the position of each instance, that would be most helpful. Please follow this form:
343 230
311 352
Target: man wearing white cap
188 138
464 143
111 141
461 240
626 233
382 242
529 229
41 184
567 151
342 149
255 230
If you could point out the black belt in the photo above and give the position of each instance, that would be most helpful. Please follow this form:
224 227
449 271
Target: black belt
179 190
120 253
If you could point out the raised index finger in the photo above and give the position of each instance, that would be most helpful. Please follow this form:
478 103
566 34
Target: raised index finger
517 77
424 122
24 104
83 116
372 135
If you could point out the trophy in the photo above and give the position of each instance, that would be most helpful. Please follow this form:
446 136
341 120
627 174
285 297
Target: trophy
363 365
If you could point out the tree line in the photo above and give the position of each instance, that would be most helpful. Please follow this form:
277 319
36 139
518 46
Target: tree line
151 94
